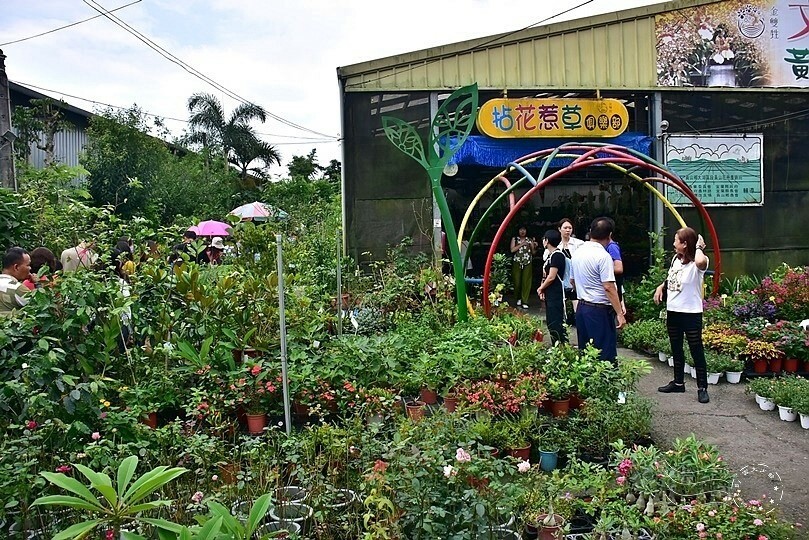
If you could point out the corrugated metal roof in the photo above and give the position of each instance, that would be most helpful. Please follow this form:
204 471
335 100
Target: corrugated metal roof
609 51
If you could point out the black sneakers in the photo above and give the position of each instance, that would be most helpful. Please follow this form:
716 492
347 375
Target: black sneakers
702 395
673 387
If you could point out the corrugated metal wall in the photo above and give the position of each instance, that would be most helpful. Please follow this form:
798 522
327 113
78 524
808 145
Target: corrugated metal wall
67 147
618 54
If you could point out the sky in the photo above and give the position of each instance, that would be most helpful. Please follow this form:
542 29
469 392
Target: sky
280 54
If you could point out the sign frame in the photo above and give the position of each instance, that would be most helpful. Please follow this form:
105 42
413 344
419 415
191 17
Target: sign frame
749 147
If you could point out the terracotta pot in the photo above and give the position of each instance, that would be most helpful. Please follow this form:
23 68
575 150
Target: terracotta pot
256 423
415 410
451 403
791 365
759 366
300 409
575 402
775 365
523 453
150 419
550 533
430 397
538 337
560 407
240 354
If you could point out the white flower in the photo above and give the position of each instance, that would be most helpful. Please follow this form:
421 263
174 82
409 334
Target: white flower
718 58
24 365
524 466
705 32
728 54
448 470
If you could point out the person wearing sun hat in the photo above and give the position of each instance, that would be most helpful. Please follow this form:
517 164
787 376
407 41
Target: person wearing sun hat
213 254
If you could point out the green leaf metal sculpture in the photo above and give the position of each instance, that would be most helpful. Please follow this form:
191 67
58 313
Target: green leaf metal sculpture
451 126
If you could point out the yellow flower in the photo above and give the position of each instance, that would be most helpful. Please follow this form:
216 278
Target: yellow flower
772 299
106 403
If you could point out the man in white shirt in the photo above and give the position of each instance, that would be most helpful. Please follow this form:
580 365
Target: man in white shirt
594 278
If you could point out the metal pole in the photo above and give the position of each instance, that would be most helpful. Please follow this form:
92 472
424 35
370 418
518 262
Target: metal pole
658 217
339 286
282 315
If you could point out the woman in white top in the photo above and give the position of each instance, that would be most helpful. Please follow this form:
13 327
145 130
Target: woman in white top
569 245
683 296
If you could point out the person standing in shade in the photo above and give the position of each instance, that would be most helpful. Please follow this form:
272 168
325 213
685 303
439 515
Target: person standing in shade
599 312
522 251
551 290
569 245
618 267
79 257
683 296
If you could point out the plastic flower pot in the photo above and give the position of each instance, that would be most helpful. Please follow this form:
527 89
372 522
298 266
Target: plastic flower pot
575 402
663 357
294 512
277 528
759 366
713 378
290 494
733 377
791 365
548 459
560 407
671 361
150 419
805 421
550 532
765 404
256 423
776 365
523 453
430 397
415 410
787 414
344 498
451 402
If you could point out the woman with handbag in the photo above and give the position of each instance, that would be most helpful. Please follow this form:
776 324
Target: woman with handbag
682 292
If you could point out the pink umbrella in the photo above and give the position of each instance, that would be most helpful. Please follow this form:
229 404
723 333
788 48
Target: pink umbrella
210 228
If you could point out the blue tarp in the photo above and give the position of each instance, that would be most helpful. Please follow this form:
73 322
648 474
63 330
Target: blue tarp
488 152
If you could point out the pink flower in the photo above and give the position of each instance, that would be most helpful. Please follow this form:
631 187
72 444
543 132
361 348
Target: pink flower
95 436
255 371
703 534
762 537
103 415
109 535
700 526
462 456
63 469
524 466
754 502
31 425
712 513
197 497
758 522
719 536
621 480
625 466
215 477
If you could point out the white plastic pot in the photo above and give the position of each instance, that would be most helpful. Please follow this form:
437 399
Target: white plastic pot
671 361
713 378
765 404
787 414
662 356
733 377
805 421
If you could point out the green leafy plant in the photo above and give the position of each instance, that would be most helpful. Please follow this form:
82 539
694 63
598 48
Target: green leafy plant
118 504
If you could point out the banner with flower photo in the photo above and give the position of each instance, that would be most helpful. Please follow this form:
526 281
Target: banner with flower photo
735 43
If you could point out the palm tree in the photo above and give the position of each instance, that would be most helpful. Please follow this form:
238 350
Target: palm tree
233 136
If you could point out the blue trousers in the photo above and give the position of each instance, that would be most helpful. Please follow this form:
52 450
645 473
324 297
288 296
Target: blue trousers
597 324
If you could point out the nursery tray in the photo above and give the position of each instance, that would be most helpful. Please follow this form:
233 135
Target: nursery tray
753 375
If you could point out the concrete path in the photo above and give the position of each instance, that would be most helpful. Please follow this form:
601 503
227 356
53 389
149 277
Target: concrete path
750 439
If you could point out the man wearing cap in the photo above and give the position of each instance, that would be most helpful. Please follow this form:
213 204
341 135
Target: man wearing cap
599 313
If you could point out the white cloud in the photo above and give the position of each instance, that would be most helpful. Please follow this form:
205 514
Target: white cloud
281 54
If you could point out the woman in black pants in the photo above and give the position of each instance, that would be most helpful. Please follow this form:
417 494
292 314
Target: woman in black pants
550 290
683 295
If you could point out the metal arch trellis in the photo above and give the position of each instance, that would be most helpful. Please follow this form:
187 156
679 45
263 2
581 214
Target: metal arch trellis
448 132
586 155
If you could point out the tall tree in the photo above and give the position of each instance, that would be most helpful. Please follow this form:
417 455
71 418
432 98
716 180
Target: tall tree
305 167
38 125
232 135
247 150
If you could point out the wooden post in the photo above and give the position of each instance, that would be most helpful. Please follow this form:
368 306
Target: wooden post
7 178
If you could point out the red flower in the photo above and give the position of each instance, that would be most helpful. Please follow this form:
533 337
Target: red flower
255 370
380 466
63 469
31 425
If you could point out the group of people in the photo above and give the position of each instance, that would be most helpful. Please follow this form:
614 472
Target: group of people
23 271
590 274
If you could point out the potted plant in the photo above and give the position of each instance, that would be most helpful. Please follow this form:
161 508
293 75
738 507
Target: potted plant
764 389
714 365
792 341
733 368
257 389
800 405
143 400
763 355
785 391
515 433
550 439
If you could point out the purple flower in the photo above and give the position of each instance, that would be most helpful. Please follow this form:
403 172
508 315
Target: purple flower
197 497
